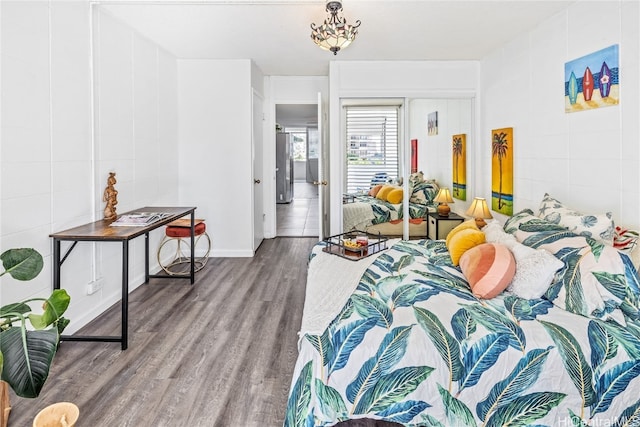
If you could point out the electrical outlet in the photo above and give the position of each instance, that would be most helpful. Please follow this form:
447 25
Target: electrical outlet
94 286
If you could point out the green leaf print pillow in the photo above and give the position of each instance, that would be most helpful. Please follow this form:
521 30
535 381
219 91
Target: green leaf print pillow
596 281
597 226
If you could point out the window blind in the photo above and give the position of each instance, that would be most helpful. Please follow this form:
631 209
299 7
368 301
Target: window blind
372 146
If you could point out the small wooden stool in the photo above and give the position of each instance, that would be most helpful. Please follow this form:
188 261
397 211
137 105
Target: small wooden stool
176 247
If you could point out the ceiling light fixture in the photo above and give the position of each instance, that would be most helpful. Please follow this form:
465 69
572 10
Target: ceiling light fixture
334 34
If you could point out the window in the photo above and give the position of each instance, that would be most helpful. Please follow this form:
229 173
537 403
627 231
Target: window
298 142
372 145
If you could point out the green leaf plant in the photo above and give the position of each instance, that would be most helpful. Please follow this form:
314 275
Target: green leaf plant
26 352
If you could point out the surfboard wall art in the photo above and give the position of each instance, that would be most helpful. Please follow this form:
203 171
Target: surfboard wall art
592 81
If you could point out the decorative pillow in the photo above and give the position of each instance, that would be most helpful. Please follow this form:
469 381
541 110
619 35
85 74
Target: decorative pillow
395 196
596 281
625 240
535 272
374 190
470 223
535 269
599 227
424 192
494 233
384 192
462 241
416 178
489 268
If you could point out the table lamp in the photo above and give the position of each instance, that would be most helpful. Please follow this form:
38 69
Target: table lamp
443 197
480 211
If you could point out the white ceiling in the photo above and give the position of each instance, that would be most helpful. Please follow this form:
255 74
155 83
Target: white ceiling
276 34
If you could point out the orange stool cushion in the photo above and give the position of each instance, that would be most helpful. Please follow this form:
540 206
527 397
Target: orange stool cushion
173 231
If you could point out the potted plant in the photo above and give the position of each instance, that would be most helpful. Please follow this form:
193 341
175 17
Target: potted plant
26 353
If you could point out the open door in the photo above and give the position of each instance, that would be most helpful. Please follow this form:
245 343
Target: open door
257 142
323 170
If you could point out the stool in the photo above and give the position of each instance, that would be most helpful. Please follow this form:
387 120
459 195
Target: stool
176 246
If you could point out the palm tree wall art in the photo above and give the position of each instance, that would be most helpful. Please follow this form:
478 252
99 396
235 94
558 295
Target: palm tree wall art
502 170
459 154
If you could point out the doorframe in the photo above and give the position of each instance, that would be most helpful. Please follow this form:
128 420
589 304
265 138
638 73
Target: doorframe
283 90
257 141
273 197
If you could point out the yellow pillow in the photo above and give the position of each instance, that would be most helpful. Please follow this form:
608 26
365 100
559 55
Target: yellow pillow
395 196
384 192
470 223
462 241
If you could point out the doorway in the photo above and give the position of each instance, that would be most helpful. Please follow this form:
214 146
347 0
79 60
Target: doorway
297 170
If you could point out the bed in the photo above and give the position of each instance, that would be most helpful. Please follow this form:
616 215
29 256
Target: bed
380 212
401 338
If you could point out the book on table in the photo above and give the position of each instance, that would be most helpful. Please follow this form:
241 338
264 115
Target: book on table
138 219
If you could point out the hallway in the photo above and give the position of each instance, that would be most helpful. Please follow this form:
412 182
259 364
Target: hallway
300 217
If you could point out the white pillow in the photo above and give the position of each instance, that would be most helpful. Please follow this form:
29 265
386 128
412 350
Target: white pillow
534 273
535 268
494 233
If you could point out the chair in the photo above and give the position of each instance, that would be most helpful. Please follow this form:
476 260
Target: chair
174 252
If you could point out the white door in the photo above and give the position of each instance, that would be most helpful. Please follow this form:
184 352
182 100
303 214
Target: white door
257 142
323 172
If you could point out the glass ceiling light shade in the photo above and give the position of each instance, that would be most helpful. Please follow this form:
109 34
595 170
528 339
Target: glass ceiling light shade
334 34
480 211
443 197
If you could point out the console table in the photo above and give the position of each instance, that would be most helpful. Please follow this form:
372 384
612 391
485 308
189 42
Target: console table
102 231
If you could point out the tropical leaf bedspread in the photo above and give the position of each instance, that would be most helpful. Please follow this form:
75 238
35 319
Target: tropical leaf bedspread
412 345
365 211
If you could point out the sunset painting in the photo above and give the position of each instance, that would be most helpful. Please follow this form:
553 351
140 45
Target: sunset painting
459 154
502 170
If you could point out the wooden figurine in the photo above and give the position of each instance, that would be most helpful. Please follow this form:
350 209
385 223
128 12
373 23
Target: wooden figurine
111 197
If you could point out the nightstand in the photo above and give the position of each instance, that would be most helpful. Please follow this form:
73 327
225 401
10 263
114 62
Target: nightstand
439 226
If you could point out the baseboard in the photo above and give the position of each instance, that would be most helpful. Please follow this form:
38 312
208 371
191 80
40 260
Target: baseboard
225 253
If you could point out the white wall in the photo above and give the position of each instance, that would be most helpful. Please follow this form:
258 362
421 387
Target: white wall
45 132
455 116
136 127
214 99
63 129
590 160
395 79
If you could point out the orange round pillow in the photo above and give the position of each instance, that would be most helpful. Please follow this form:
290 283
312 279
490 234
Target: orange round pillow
374 190
489 268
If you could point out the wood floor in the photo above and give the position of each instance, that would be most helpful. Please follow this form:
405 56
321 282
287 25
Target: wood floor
218 353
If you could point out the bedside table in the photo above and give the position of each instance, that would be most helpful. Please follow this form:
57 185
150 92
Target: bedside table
439 226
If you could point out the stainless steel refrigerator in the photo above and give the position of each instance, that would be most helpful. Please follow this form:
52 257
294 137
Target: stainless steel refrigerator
284 168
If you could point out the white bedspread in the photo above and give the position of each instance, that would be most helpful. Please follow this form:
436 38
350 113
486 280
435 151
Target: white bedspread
331 280
357 215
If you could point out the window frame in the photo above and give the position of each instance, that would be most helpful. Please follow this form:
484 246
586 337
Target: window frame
396 106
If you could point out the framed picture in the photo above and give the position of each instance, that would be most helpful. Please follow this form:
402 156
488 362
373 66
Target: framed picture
502 170
432 123
414 155
592 81
459 155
